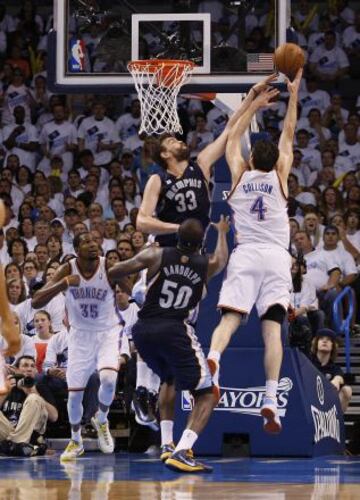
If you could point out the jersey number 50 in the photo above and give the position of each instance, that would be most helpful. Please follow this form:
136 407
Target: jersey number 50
172 296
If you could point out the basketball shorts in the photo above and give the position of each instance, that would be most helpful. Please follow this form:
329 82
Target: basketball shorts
258 275
171 349
88 351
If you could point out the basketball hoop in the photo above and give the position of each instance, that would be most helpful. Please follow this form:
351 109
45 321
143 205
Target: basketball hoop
158 82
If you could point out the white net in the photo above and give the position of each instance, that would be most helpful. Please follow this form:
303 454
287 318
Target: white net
157 84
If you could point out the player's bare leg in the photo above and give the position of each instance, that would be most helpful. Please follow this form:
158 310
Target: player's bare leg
229 323
182 459
108 378
167 398
273 355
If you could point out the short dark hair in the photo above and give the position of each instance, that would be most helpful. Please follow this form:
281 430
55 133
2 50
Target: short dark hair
190 234
265 154
26 356
77 239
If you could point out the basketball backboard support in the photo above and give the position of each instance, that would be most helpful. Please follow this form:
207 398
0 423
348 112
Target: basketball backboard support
92 42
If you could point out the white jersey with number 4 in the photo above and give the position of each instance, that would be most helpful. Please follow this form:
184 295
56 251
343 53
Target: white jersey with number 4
91 305
260 209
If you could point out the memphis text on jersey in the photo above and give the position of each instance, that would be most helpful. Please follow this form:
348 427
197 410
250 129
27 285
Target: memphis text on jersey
183 184
180 270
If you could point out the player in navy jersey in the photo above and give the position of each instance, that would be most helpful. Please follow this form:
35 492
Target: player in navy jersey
176 281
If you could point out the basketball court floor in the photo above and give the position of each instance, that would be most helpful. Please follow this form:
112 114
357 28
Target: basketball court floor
125 476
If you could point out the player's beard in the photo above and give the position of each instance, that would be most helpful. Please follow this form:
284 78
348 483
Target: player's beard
183 153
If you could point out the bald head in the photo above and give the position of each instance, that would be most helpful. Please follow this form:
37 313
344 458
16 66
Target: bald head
191 234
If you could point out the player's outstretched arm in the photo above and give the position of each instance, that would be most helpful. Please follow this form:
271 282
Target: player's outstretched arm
286 141
8 328
219 258
145 221
149 258
209 155
234 157
60 282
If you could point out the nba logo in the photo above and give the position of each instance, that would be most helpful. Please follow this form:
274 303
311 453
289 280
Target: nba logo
77 55
186 401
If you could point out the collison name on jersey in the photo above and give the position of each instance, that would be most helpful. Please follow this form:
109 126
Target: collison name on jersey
261 188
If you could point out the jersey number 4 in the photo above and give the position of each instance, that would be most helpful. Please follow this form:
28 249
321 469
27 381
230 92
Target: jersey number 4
185 201
259 208
172 296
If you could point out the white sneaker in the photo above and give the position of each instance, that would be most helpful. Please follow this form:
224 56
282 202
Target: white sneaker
72 451
105 440
269 411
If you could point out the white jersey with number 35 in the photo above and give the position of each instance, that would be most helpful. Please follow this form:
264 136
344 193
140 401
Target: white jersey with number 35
91 305
260 209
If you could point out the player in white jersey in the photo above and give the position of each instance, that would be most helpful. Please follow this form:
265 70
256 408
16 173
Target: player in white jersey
259 267
93 340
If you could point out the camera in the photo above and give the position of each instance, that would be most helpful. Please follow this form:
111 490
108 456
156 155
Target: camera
22 381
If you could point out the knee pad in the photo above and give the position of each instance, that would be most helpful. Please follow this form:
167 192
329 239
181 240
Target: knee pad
275 313
108 380
75 407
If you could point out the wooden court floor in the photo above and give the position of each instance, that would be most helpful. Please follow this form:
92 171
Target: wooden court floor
124 476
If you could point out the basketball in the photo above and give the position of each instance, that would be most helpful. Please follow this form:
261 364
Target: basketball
2 213
288 59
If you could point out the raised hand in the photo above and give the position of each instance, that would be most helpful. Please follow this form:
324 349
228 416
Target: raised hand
263 100
264 84
223 225
293 87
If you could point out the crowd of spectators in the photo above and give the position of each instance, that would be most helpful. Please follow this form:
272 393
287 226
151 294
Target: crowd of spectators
76 163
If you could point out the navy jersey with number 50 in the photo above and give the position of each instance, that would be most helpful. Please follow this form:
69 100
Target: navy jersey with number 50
177 287
183 198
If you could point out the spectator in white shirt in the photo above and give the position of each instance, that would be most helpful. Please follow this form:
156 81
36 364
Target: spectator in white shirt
128 123
313 97
58 138
351 38
98 133
328 62
17 94
199 138
350 148
311 156
21 139
313 124
120 213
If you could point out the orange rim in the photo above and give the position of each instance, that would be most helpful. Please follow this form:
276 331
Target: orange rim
164 69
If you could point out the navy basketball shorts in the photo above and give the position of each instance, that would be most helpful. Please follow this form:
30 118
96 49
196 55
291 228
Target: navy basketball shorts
171 349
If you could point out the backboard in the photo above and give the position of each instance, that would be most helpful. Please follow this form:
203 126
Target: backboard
231 41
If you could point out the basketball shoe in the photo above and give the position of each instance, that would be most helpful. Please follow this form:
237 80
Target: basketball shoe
183 461
269 411
166 451
73 450
105 439
144 406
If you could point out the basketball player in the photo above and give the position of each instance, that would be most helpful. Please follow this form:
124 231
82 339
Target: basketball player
93 336
181 192
166 342
8 331
259 267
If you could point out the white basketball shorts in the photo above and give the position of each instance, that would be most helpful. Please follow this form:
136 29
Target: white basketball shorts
88 351
256 274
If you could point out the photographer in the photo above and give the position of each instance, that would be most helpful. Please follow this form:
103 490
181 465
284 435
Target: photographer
25 411
324 353
304 314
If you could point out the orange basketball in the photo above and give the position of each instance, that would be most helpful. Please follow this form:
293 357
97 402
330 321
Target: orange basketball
288 59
